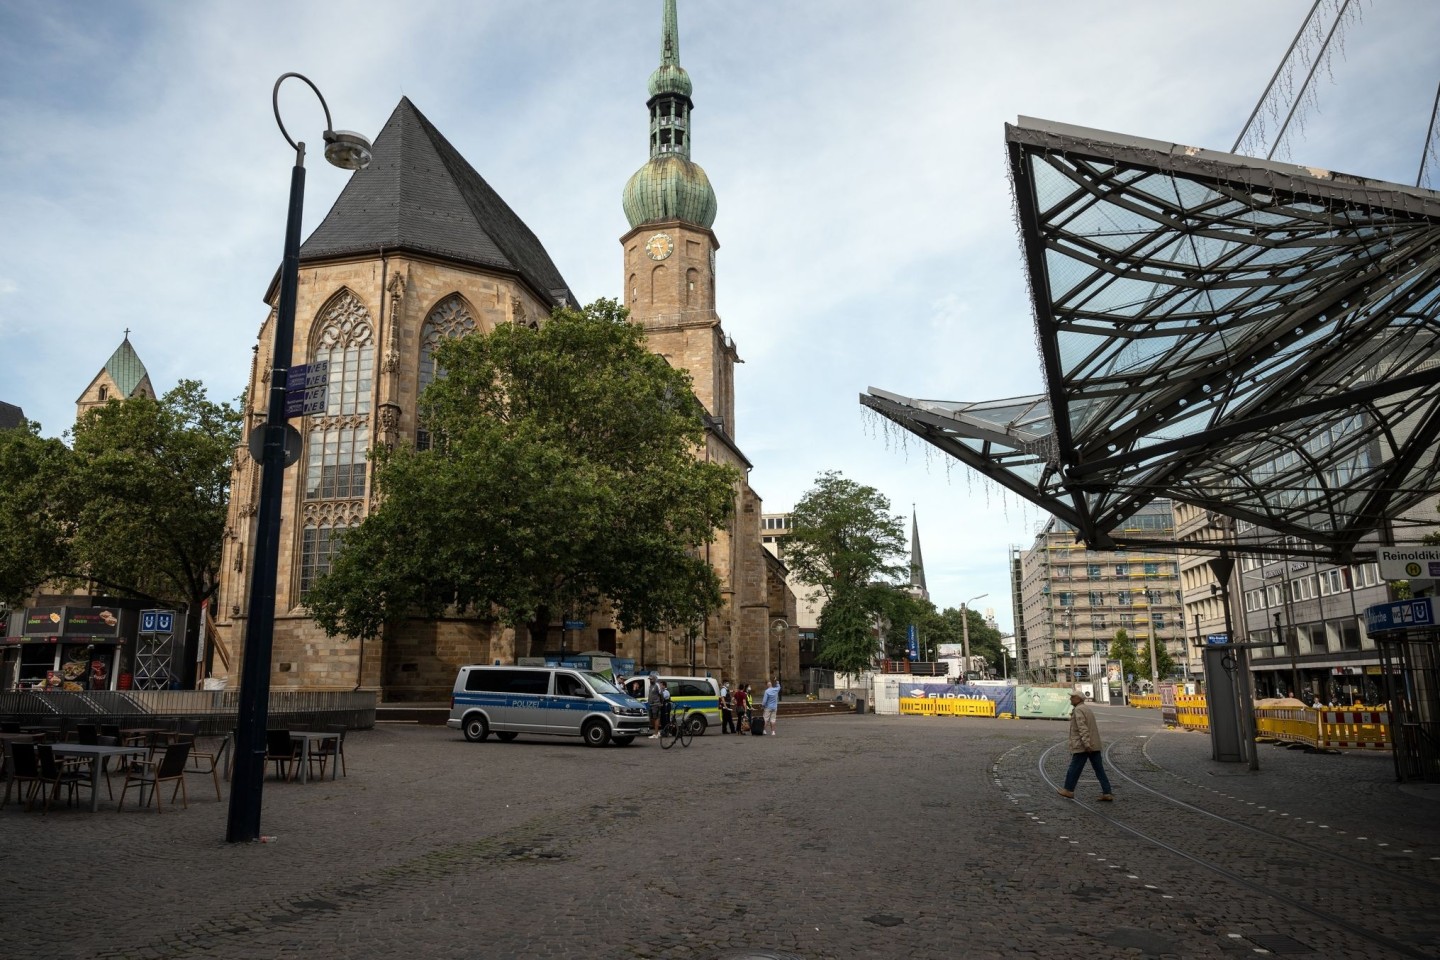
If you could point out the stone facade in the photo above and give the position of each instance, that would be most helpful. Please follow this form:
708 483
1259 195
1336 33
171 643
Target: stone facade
384 302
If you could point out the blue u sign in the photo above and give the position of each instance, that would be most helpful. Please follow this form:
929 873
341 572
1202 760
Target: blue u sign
157 621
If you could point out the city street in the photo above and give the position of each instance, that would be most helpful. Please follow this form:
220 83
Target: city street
852 836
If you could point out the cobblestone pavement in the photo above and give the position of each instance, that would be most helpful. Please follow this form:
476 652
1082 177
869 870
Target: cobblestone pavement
841 837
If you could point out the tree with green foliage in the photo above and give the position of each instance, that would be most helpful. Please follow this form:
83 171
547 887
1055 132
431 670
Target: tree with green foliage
1135 660
136 507
563 476
34 522
148 488
845 541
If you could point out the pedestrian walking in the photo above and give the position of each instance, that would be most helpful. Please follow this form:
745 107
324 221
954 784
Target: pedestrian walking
656 704
664 704
1085 747
727 710
770 699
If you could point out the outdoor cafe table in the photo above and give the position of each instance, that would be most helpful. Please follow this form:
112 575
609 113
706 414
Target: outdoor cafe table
96 755
308 737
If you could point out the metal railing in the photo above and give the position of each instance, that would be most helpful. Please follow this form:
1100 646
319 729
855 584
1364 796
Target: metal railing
215 709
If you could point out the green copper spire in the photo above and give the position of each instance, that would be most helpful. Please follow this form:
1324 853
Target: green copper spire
670 77
670 186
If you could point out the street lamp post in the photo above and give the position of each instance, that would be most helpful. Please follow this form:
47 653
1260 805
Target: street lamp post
348 151
965 635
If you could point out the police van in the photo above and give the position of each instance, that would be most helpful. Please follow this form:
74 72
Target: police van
700 694
557 701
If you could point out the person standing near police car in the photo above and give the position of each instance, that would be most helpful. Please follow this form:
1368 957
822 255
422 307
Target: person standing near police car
656 703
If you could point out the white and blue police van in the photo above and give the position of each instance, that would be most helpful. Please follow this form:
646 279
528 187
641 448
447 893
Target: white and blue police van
556 701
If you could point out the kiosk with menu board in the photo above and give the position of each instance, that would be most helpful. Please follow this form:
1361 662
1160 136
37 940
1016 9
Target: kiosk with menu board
65 648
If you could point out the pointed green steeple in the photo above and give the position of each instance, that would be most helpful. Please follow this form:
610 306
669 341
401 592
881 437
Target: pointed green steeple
670 77
670 186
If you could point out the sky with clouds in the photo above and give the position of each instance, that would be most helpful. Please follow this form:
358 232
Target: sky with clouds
856 148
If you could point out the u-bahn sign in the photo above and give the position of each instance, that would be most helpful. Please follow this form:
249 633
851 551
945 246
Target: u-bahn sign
1400 615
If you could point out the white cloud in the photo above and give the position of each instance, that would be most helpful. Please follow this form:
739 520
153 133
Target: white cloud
856 149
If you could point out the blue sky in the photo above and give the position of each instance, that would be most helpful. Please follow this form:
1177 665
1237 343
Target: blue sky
856 149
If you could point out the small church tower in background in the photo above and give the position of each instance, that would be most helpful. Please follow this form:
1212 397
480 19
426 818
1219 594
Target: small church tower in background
122 377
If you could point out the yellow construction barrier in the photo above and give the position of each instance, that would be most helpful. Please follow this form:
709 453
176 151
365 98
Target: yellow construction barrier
1192 712
1356 728
1287 724
947 707
1145 701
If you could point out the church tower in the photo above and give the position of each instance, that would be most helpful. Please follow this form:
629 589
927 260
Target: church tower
670 249
122 377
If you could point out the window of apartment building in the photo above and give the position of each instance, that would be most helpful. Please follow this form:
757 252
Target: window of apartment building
1122 597
1067 599
1302 588
1122 569
1127 621
1097 599
1274 595
1159 621
1332 582
1365 575
1349 635
1154 596
1152 569
1060 572
1097 621
1250 563
1092 571
1254 600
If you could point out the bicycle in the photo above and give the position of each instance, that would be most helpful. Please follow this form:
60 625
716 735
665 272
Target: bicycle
677 728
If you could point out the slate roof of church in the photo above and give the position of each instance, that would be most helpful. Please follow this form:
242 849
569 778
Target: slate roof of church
11 416
420 195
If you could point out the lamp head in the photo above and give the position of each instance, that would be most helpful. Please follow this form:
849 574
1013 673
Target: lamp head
347 149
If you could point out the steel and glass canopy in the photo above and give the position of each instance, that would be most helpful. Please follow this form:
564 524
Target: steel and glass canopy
1255 338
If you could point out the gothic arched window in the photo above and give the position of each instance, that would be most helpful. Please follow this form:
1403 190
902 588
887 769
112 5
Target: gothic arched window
450 318
339 439
317 550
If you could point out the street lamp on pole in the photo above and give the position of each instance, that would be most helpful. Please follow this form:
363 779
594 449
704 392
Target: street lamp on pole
349 151
965 635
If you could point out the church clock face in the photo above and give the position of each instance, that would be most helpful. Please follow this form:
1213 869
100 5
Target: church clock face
659 246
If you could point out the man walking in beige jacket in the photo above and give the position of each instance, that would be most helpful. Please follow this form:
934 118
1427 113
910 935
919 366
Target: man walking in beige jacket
1085 746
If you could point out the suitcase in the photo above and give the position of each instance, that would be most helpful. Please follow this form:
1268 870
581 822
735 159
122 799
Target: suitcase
757 725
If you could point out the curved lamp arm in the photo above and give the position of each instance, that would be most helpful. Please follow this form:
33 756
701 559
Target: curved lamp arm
345 149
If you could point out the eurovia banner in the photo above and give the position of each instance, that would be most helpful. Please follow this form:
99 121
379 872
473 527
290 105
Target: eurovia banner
1004 697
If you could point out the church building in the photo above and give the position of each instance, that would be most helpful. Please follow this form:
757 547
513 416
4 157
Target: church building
418 247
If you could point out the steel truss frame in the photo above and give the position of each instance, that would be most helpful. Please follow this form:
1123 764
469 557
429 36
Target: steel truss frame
1256 338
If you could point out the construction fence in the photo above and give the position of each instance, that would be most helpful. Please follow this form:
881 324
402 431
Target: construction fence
1327 728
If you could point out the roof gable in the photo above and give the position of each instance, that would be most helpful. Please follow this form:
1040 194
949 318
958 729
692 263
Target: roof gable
419 194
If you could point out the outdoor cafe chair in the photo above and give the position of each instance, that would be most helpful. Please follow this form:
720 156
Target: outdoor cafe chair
57 775
170 768
207 761
284 752
330 750
23 767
